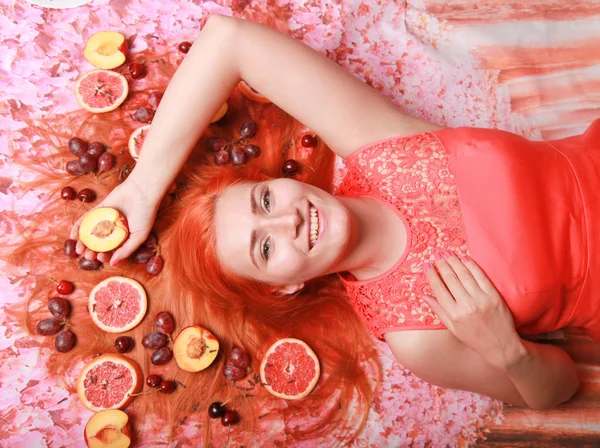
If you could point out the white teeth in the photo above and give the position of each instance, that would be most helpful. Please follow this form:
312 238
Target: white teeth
314 226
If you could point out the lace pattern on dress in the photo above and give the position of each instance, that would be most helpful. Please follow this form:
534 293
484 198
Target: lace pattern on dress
412 174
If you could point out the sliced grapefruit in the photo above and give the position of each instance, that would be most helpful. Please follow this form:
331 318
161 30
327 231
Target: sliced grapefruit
290 369
252 94
101 91
117 304
136 141
108 382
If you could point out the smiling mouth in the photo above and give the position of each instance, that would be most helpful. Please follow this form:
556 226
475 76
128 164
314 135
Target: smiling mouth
313 234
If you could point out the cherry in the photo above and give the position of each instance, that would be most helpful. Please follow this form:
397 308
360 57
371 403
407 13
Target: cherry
184 47
248 129
309 141
96 149
290 167
77 146
215 144
65 341
48 327
65 287
59 307
154 265
143 114
252 150
238 157
154 340
74 168
164 322
234 373
137 70
216 410
239 358
167 387
106 162
69 248
222 158
68 193
86 195
123 344
153 380
88 162
229 418
154 99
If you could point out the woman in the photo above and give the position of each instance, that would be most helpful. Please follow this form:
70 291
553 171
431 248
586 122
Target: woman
397 214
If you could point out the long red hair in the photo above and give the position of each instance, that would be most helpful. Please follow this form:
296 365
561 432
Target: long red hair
192 286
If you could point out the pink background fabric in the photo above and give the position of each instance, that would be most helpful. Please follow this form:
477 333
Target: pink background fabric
530 68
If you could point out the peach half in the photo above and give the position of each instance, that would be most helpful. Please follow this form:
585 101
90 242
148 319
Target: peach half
220 113
195 349
108 429
103 229
106 49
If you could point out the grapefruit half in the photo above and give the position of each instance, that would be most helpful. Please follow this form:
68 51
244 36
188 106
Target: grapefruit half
101 91
108 381
117 304
252 94
290 369
136 140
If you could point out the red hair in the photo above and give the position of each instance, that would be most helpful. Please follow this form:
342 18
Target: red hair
240 312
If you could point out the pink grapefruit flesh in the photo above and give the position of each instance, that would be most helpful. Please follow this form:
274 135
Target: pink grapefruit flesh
108 381
290 369
101 91
117 304
136 140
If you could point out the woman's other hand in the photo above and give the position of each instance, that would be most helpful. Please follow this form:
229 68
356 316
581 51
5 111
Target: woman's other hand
471 308
140 211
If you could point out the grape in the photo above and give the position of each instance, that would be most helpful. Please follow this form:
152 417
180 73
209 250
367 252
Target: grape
238 157
137 70
69 248
252 150
68 193
106 162
153 380
248 129
154 265
123 344
143 114
154 99
164 322
74 168
65 341
87 162
166 387
234 373
184 47
142 255
77 146
239 358
309 141
216 410
86 195
48 327
59 307
154 340
65 287
151 241
89 265
229 418
161 356
96 149
290 167
215 144
222 158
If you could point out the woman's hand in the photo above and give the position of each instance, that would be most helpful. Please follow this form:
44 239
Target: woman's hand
140 211
472 309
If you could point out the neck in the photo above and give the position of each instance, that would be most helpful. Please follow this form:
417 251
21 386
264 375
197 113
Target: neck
377 240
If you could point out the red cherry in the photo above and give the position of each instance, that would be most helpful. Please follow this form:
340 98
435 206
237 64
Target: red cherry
68 193
290 167
229 418
184 47
153 381
137 70
309 141
64 287
166 387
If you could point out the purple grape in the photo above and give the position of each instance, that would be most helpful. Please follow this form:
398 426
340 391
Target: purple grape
154 265
151 241
252 150
77 146
215 144
48 327
154 340
106 162
96 149
89 265
59 307
142 255
164 322
74 168
69 248
154 99
234 373
238 157
239 358
248 129
87 162
161 356
143 115
222 158
65 341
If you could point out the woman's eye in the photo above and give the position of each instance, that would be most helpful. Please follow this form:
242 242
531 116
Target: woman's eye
266 249
267 200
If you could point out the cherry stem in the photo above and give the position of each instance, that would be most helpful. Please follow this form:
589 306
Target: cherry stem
144 392
53 281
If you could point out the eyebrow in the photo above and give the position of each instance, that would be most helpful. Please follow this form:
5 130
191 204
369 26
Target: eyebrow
253 208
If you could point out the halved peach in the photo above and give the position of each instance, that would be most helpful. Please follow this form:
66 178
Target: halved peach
106 49
195 349
108 429
103 229
220 113
252 94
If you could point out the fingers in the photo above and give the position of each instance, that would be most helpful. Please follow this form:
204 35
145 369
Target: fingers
439 311
463 273
104 257
451 278
480 277
440 291
133 242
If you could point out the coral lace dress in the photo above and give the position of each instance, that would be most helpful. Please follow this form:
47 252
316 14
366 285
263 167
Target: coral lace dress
527 212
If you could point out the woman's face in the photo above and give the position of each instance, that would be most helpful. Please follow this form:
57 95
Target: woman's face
281 231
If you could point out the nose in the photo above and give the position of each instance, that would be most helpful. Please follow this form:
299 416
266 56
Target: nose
288 223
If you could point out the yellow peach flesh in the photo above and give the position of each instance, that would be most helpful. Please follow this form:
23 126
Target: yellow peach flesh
103 229
105 49
108 429
195 349
220 113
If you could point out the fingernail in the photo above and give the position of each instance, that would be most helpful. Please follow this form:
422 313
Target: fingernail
447 254
465 259
426 267
437 256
